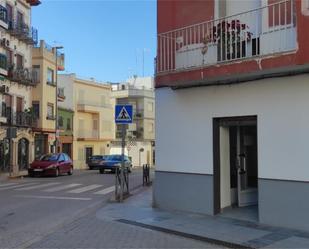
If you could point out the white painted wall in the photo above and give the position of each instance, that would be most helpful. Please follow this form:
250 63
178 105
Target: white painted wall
184 125
66 81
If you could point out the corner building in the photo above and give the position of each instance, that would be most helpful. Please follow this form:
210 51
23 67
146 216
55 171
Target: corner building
17 79
232 114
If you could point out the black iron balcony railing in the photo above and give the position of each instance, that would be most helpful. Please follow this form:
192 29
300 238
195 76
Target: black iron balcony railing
23 32
26 76
21 119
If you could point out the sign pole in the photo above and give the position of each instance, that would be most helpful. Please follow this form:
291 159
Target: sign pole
123 144
123 116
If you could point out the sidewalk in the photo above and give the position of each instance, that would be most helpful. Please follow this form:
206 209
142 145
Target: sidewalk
137 212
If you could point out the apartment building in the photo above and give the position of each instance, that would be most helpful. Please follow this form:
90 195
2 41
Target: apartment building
65 126
140 147
46 62
232 99
93 122
16 83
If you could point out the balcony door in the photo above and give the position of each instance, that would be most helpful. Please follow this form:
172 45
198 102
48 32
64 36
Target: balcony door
9 13
19 104
19 61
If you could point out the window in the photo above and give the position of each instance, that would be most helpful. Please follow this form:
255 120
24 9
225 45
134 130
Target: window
3 61
69 124
36 109
60 121
20 19
19 104
9 13
36 72
3 14
95 124
50 76
19 61
50 111
150 106
9 56
61 158
151 127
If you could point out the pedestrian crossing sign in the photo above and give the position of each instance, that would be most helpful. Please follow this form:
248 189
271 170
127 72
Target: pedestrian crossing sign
123 114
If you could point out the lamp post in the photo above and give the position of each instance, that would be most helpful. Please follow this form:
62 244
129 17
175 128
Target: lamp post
56 103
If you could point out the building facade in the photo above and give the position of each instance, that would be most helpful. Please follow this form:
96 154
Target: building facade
46 61
93 122
65 124
139 93
232 104
16 81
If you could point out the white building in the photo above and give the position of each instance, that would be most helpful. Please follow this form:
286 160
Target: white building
139 93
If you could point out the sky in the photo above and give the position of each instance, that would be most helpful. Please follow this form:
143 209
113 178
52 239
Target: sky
102 39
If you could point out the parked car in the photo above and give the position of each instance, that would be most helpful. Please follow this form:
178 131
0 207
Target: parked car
51 164
111 162
95 161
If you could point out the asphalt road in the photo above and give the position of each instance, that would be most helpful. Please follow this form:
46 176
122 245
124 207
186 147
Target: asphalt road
32 208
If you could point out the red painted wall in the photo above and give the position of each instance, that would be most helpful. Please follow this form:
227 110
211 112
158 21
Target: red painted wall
176 14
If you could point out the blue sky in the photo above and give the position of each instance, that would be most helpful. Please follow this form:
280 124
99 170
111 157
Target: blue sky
102 39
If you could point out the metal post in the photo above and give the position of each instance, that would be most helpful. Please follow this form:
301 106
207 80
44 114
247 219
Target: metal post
56 103
123 143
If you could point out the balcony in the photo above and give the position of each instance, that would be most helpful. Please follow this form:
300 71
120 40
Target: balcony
25 76
23 32
260 32
61 96
20 119
91 106
34 2
83 134
138 113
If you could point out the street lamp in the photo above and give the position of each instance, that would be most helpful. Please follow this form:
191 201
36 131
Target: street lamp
56 103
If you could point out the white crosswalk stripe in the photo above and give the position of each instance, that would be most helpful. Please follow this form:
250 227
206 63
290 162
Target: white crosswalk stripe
105 191
84 189
19 185
59 188
38 186
8 184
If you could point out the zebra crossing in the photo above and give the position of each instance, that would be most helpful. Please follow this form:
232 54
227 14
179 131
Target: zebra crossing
54 187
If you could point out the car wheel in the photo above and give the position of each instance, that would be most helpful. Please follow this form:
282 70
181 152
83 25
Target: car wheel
90 168
70 171
30 174
101 171
57 172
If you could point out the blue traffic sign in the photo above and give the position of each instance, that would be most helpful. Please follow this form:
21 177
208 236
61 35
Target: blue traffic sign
123 114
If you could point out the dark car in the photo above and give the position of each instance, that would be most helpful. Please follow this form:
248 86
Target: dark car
111 162
51 164
95 161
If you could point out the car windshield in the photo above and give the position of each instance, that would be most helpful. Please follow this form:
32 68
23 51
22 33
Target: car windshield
113 158
50 158
97 157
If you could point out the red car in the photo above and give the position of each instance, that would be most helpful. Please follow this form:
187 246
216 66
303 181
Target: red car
52 164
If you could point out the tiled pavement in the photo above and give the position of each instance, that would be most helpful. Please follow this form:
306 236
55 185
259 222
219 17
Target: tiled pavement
91 232
225 231
135 224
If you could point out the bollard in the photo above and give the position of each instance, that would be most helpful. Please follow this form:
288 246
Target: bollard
146 174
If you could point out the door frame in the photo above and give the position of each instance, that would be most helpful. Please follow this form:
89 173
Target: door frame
217 122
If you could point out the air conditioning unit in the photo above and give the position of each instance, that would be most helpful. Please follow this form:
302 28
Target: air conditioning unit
4 89
5 42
